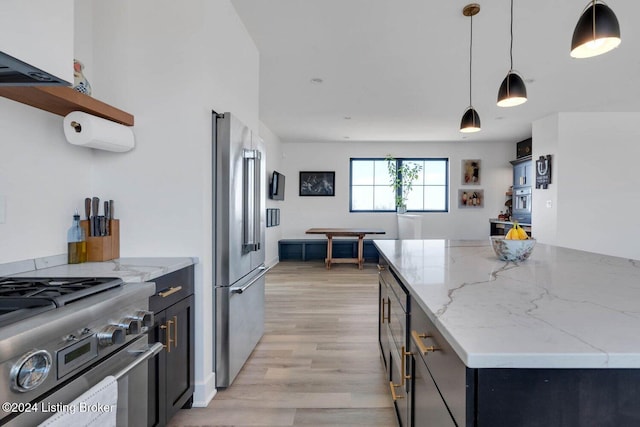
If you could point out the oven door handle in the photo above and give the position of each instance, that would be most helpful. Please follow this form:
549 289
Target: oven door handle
144 356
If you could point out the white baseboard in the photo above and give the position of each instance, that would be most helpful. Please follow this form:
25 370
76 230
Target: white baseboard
272 263
205 391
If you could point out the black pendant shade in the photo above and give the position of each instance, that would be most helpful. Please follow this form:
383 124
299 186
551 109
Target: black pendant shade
596 32
470 121
512 91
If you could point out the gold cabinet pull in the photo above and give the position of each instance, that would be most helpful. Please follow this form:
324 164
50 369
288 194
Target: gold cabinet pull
405 354
171 291
417 338
175 331
169 340
386 302
393 386
380 267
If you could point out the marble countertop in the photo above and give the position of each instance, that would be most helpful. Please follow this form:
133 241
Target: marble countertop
561 308
128 269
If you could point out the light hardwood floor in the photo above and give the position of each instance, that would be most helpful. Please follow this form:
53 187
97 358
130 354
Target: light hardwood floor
318 363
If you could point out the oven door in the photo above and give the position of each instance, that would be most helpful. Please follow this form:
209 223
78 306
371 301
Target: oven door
129 366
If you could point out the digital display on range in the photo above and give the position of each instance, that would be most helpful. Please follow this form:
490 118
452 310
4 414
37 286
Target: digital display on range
73 355
76 355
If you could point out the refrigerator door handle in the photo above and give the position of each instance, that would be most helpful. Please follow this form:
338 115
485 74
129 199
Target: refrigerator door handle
251 200
241 289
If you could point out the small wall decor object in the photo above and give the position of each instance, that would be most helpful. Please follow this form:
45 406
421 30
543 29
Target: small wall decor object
80 82
471 172
470 198
543 171
317 183
273 217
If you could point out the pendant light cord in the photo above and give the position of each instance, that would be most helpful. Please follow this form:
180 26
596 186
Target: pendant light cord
593 15
511 45
470 58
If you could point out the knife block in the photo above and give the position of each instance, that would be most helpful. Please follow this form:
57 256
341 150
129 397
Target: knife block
103 248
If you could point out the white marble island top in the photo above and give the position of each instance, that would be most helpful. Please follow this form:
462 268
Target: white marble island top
561 308
128 269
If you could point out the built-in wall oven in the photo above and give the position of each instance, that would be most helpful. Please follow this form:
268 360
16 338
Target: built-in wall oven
63 339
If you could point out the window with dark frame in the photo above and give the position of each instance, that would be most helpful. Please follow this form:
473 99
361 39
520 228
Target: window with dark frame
370 190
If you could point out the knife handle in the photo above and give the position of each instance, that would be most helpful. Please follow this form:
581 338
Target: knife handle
87 207
107 217
95 208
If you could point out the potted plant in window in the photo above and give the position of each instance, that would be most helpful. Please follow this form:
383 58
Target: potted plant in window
401 178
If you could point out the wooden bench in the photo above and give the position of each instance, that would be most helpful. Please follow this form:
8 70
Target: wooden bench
345 232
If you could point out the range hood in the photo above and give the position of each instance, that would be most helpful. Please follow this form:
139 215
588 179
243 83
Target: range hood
14 72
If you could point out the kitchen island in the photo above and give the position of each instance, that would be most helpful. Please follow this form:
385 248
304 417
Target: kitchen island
554 340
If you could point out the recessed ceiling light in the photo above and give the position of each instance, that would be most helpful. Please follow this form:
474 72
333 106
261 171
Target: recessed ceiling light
316 81
346 137
529 80
347 117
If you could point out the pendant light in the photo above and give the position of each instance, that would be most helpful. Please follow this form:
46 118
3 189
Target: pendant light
596 32
470 119
512 91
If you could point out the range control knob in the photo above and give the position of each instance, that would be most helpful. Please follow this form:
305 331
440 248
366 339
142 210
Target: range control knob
131 325
145 317
112 334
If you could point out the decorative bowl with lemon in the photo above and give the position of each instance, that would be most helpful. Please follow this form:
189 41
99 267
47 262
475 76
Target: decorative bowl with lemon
515 246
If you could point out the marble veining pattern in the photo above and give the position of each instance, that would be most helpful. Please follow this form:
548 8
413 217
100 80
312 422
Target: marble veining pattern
128 269
561 308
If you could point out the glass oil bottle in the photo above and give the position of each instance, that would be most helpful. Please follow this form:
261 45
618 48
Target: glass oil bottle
76 242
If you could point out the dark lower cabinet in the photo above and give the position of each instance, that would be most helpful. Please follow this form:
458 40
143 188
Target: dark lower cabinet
426 405
392 321
171 372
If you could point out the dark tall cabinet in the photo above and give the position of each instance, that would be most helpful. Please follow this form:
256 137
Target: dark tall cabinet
171 372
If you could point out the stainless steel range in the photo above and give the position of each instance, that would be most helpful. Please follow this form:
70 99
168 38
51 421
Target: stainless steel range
61 336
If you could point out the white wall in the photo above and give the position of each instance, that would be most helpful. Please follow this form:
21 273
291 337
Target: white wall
171 64
274 162
42 178
595 180
545 141
168 63
301 213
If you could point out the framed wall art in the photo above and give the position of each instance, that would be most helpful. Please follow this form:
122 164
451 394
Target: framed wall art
468 198
317 183
543 172
471 172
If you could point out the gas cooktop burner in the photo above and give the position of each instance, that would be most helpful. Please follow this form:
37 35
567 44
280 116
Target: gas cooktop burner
22 297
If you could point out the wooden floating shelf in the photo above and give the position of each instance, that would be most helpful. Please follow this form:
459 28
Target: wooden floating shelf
62 100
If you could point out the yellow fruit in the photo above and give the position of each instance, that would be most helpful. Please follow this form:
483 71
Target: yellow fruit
511 234
522 235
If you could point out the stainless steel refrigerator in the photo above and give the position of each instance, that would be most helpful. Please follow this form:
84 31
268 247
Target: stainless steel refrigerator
238 244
